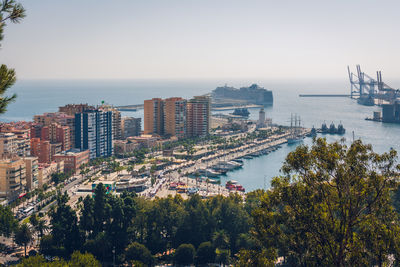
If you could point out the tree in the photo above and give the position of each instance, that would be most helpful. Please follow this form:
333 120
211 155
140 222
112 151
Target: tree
138 252
23 236
41 227
99 209
64 227
205 253
184 254
38 260
13 12
332 207
77 260
223 256
8 223
220 240
83 260
33 220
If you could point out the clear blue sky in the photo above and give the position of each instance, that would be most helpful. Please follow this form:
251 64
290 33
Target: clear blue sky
127 39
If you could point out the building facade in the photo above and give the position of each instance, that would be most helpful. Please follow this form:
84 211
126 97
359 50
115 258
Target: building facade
130 127
116 120
154 116
12 178
47 169
47 119
32 172
44 150
175 117
12 145
72 109
93 132
198 116
72 159
55 133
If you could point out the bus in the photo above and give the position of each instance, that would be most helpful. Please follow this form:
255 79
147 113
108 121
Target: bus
28 211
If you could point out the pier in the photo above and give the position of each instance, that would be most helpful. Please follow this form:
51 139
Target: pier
130 107
323 95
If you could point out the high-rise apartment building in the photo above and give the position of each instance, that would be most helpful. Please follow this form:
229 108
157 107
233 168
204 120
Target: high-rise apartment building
130 127
175 117
116 120
178 117
154 116
93 131
32 172
198 116
12 178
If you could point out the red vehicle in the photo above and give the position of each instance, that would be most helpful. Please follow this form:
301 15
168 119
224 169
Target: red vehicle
173 186
233 185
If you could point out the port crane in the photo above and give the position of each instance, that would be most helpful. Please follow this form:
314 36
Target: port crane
364 87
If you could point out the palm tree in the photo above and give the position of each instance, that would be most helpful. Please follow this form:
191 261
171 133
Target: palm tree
23 236
220 240
41 227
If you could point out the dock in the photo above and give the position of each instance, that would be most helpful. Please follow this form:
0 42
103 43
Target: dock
130 107
232 107
323 95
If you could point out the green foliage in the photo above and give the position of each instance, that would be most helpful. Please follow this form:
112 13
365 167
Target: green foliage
64 230
8 223
23 236
138 253
205 253
220 240
83 260
333 207
13 12
223 256
77 260
60 177
184 254
34 261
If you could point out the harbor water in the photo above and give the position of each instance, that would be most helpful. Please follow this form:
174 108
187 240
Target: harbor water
36 97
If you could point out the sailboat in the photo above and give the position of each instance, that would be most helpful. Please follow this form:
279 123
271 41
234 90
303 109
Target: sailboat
294 136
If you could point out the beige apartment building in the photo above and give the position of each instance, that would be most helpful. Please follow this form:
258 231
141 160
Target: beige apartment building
12 178
32 172
154 116
175 117
47 169
12 144
198 116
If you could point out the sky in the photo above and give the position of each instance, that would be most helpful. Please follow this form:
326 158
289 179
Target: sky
207 39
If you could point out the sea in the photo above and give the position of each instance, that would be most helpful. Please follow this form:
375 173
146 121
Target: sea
39 96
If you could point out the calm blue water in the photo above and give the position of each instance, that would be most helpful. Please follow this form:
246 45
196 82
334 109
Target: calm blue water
36 97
